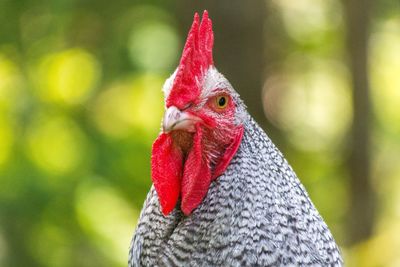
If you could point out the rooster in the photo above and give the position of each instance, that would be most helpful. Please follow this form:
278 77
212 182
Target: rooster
222 194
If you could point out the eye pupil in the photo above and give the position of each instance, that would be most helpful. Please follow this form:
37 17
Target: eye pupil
221 101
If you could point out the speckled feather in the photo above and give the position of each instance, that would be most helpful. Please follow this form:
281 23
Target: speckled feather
256 214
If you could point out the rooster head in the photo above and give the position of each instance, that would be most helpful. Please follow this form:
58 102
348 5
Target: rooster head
202 125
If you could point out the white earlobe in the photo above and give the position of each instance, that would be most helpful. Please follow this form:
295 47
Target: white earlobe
168 84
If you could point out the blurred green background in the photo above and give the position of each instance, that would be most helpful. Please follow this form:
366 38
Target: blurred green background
81 103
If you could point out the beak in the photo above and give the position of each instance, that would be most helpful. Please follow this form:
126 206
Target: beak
174 119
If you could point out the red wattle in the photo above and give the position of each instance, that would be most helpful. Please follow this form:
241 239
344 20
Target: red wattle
196 176
166 171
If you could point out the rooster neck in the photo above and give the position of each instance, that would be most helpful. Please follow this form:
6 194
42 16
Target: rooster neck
255 214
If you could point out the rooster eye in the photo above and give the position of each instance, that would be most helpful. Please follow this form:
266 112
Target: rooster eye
222 101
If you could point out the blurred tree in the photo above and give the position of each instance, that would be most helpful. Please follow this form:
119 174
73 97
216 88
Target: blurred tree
362 196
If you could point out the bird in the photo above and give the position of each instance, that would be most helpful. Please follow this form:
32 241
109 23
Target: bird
222 193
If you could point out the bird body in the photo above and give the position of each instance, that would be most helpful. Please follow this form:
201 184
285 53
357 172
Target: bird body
253 211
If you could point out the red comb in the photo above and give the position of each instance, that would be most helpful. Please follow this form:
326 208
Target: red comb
196 59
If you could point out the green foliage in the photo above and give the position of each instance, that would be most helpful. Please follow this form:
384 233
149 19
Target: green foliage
80 104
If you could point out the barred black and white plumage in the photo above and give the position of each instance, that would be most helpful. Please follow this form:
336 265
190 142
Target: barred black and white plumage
256 213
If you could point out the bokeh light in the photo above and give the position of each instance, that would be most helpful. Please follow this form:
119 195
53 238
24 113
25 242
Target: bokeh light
385 70
129 106
6 140
107 217
67 77
51 245
10 82
307 103
308 20
147 51
56 143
